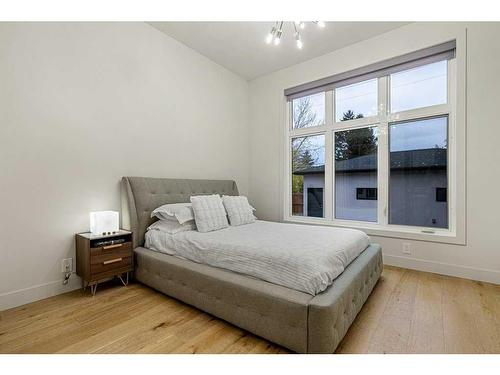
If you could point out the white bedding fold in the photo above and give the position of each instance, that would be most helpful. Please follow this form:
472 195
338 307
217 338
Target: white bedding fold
301 257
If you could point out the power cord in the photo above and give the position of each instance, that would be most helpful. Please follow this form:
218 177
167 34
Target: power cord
67 275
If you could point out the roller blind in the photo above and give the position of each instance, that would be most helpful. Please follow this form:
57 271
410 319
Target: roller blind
410 60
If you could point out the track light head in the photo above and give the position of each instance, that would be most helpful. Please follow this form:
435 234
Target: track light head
277 37
298 41
270 36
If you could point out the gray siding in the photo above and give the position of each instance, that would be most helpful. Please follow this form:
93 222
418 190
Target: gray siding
412 197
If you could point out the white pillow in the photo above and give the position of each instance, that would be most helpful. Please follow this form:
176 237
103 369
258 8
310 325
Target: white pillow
181 212
209 213
238 209
172 227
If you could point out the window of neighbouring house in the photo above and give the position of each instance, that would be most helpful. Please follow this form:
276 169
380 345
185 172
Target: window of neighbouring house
369 194
441 194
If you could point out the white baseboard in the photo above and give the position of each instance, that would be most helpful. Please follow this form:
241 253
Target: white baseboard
23 296
479 274
37 292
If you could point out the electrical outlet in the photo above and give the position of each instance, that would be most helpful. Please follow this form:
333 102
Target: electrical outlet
67 265
406 248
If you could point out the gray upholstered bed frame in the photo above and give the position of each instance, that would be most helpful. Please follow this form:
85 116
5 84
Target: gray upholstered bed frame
296 320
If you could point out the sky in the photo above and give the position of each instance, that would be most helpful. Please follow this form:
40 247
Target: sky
417 135
414 88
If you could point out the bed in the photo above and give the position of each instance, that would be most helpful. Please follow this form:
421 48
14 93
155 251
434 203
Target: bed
297 320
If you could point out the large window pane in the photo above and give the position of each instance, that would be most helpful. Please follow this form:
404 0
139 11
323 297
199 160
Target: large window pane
419 87
356 101
309 111
356 174
308 175
418 181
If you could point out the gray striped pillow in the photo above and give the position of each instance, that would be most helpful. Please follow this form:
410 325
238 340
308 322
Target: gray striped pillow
238 209
209 213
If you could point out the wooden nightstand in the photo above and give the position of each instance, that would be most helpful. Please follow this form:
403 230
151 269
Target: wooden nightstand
103 257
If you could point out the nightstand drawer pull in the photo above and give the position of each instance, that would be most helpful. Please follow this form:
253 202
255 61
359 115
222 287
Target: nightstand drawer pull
112 246
112 261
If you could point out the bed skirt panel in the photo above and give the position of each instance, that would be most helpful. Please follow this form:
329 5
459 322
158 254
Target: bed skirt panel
271 311
332 312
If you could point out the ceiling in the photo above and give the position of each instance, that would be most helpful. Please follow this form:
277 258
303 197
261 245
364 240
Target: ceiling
241 48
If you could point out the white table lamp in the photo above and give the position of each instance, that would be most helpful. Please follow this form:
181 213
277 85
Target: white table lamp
104 222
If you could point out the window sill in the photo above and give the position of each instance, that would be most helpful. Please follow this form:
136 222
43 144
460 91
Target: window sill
401 232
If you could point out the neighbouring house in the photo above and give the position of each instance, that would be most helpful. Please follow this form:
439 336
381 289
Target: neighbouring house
417 188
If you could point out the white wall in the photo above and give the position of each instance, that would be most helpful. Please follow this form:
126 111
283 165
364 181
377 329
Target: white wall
480 258
82 105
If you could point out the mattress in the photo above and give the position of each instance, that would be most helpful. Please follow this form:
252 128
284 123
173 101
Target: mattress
302 257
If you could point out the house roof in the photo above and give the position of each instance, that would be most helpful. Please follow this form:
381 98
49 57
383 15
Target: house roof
435 158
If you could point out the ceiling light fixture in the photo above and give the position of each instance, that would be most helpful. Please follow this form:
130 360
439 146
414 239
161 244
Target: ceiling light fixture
270 36
298 41
276 32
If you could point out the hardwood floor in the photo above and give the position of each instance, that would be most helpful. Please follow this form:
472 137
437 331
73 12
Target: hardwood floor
408 312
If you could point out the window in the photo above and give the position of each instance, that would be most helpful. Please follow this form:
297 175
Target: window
356 101
308 175
355 164
369 194
309 111
380 150
441 194
423 86
418 165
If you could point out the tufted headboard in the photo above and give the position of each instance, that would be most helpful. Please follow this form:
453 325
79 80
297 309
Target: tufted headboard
141 195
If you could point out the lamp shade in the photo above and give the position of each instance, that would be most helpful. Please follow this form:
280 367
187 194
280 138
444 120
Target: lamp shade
104 222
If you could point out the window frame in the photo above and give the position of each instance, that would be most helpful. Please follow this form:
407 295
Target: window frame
455 233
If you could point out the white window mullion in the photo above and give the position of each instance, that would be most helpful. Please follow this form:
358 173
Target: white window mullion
452 147
383 152
329 108
329 177
383 174
287 199
328 199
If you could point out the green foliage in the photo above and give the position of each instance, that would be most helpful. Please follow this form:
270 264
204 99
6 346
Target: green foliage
297 184
353 143
349 115
305 159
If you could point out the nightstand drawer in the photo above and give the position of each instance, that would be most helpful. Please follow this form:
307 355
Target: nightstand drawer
99 256
111 249
111 264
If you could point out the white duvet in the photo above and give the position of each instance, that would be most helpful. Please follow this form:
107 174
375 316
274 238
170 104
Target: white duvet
302 257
